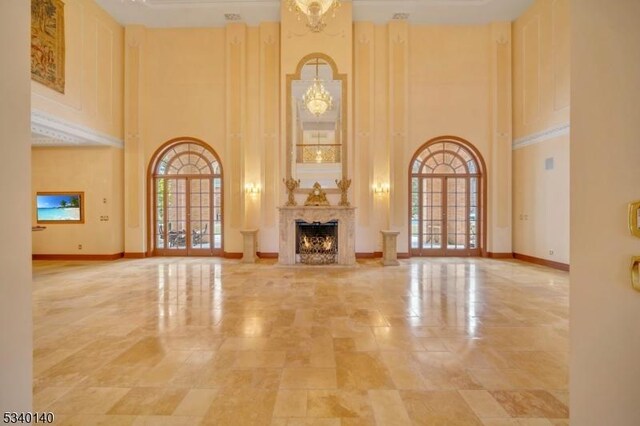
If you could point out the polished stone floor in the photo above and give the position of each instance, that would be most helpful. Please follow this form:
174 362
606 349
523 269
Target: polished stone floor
179 341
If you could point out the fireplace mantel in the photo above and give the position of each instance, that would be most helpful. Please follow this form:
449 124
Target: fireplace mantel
345 216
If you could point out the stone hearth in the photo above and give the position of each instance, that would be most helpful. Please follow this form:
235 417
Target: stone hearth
345 216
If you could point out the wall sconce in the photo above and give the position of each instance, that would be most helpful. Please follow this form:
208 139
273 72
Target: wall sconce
252 189
381 188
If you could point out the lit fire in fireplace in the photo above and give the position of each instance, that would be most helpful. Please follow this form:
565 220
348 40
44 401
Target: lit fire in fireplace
317 250
327 242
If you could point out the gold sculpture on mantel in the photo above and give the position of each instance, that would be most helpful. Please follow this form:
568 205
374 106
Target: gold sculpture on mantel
291 185
343 185
317 197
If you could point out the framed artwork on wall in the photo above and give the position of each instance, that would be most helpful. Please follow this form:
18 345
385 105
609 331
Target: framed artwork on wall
47 43
60 207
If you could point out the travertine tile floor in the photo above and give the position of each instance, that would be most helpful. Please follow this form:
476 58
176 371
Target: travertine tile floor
179 341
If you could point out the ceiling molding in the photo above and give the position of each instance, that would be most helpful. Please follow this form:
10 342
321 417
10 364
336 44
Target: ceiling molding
545 135
210 13
48 130
191 3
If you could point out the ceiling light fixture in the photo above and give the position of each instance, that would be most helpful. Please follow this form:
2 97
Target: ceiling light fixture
315 11
400 16
232 17
317 98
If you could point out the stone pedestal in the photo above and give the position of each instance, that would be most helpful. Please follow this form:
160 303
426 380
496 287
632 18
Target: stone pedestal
250 242
389 251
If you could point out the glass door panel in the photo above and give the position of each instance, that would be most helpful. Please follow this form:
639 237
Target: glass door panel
415 213
473 213
432 204
199 215
176 214
160 225
457 214
217 213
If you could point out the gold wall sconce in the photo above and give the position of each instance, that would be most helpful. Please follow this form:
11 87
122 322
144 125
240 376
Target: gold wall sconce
252 189
635 273
634 218
381 188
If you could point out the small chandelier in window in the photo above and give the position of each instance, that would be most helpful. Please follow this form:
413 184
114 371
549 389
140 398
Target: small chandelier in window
317 99
315 11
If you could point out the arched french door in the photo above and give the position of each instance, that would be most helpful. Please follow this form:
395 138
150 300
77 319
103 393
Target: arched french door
186 186
447 213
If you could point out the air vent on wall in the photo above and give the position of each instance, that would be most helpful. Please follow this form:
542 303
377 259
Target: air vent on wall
400 16
548 163
232 17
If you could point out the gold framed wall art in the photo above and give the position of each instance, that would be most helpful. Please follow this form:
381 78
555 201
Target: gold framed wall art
47 43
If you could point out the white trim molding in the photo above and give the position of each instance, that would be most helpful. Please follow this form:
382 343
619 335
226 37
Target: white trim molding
48 130
534 138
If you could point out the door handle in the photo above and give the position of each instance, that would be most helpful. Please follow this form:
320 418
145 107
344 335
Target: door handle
635 272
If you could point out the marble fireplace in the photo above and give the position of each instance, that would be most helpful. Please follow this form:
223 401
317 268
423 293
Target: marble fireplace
343 216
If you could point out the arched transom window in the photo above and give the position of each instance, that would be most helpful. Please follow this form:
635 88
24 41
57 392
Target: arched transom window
446 203
187 211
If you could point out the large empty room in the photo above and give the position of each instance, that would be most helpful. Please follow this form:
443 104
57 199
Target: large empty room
320 212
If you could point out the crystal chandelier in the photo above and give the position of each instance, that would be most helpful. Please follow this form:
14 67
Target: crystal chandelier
315 10
317 99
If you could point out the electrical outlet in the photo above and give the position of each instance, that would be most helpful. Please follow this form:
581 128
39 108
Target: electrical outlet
79 246
550 252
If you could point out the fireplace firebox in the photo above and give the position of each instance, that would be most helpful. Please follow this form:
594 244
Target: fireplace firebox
317 243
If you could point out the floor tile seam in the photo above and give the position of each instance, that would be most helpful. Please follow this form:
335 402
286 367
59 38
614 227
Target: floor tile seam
69 390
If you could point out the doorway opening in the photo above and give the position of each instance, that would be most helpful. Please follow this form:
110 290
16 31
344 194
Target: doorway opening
187 200
447 205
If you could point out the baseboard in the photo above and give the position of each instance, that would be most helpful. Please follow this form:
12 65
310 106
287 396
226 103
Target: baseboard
267 255
373 255
543 262
232 255
77 256
404 255
499 255
135 255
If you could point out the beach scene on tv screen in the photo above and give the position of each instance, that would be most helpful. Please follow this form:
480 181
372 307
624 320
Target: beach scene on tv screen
58 207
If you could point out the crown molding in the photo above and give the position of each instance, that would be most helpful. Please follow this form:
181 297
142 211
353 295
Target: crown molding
48 130
534 138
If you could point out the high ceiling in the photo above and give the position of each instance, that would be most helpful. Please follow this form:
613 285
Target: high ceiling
211 13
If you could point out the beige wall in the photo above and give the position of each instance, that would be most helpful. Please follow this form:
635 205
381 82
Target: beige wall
93 73
542 198
93 98
226 86
540 103
605 310
414 83
196 83
15 264
96 171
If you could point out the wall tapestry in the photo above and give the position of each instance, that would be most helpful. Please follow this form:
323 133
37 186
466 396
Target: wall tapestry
47 43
